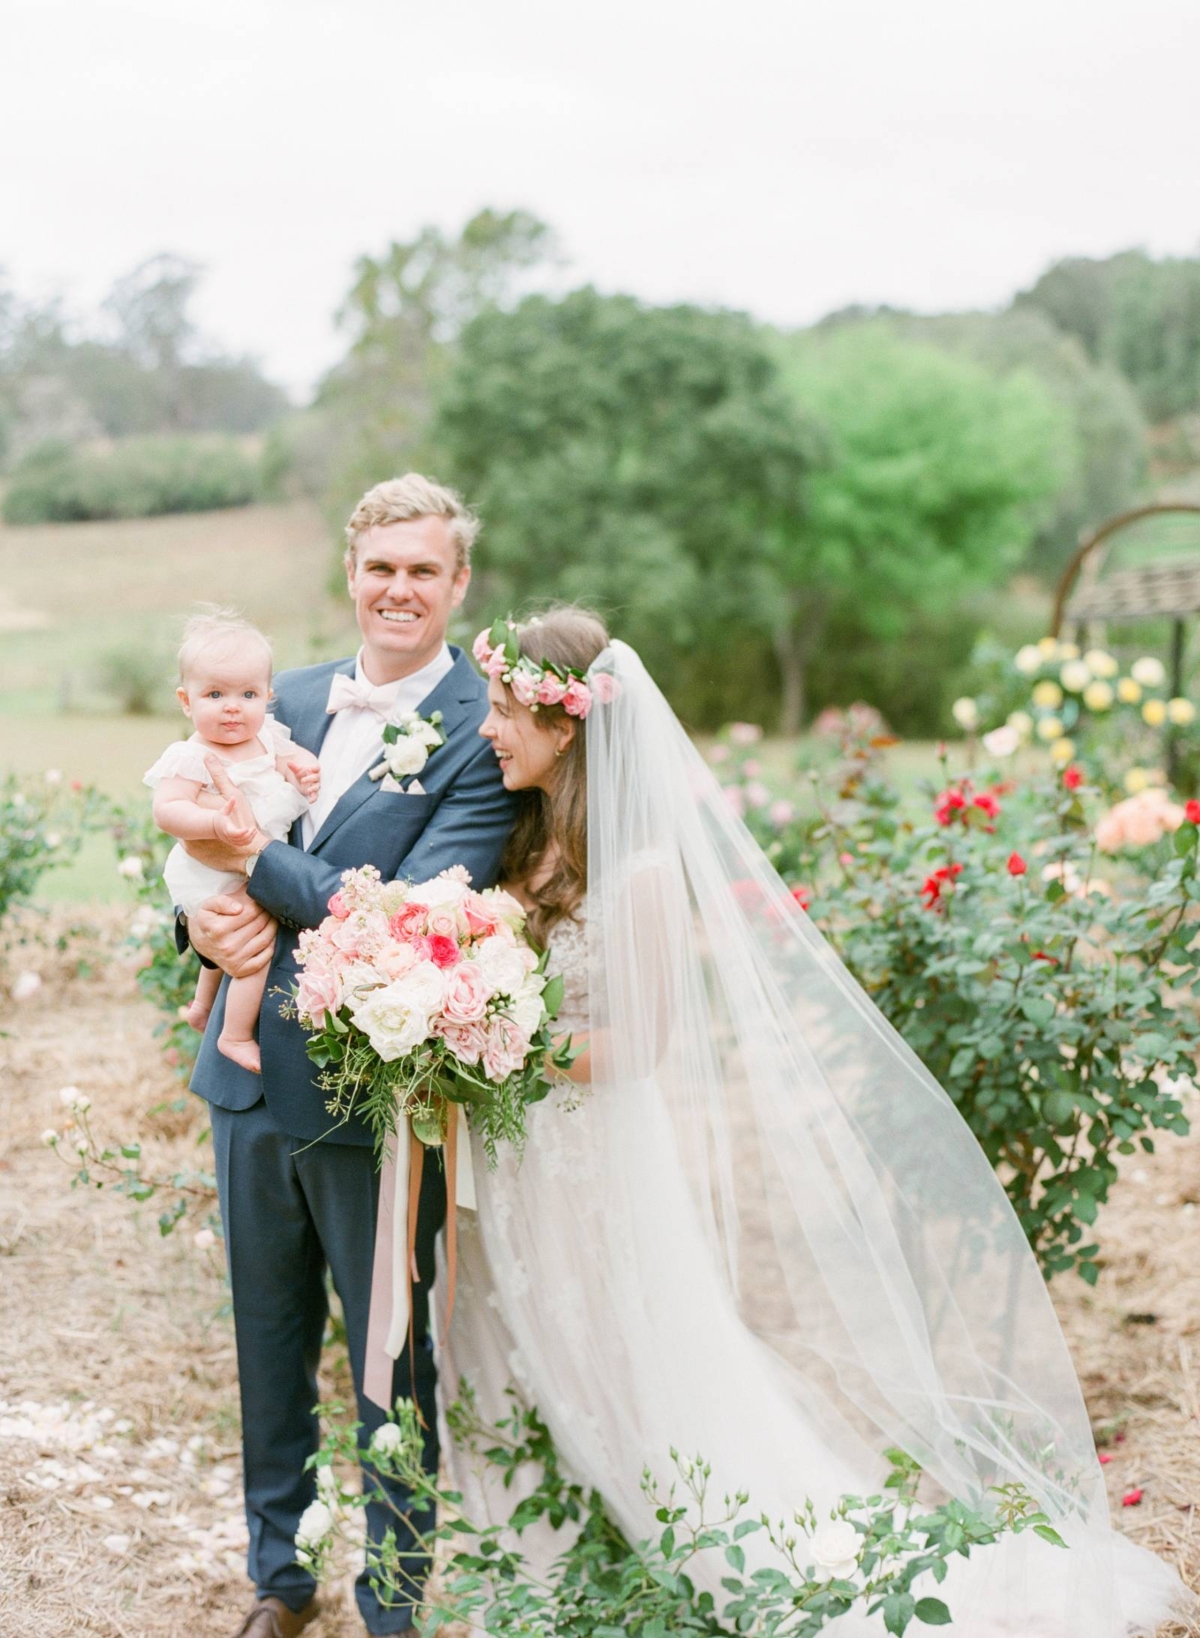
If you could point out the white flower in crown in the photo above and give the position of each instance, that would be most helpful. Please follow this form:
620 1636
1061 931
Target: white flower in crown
408 744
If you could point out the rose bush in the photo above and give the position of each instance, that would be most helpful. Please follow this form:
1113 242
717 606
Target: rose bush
1056 1007
42 821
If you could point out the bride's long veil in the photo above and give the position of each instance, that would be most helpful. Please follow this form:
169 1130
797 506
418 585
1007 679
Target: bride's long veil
854 1220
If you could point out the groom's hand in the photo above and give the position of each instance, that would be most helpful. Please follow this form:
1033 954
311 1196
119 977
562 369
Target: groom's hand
235 933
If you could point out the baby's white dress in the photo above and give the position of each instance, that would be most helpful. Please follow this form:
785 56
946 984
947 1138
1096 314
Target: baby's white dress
275 802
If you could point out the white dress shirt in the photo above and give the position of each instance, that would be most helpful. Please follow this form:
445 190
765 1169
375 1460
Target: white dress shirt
354 740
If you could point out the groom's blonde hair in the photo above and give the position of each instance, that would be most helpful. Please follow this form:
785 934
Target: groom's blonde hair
398 500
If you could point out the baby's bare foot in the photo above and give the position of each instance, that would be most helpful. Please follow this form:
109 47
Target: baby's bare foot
242 1052
197 1016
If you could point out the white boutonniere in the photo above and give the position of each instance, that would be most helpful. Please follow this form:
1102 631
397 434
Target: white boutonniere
407 746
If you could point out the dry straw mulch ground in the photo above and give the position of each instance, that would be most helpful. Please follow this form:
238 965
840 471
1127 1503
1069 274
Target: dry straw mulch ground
120 1496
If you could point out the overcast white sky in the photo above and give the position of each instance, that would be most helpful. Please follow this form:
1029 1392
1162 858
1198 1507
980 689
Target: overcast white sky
784 156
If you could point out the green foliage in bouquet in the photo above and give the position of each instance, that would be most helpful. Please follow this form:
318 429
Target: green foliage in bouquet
867 1555
1058 1009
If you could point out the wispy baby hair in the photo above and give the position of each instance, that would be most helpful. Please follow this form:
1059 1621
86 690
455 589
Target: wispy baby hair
214 633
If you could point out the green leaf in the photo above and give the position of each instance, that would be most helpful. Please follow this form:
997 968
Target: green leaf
1038 1010
898 1609
736 1557
552 995
1185 837
1050 1534
933 1612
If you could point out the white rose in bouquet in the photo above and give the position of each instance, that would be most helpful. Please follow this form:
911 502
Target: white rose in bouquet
395 1019
405 756
525 1009
446 889
502 965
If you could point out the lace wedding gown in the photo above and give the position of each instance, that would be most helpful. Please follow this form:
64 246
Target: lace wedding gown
764 1235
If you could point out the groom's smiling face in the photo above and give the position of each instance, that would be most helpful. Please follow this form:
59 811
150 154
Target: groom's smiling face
406 583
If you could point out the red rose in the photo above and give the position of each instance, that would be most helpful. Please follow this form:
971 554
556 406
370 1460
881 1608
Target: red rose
1191 812
988 804
1132 1498
1016 865
1040 955
948 804
933 884
800 894
1072 777
443 951
1105 1457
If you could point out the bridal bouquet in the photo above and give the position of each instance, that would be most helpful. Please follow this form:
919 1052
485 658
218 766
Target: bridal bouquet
422 995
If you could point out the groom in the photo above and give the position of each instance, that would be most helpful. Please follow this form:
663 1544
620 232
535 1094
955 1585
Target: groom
299 1193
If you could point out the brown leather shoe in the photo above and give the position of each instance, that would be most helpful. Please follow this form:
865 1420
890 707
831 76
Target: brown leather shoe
271 1618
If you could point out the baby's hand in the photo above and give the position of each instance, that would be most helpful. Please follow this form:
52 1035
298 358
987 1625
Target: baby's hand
307 778
227 829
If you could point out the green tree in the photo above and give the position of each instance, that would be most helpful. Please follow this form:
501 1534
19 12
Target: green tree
938 473
631 456
403 313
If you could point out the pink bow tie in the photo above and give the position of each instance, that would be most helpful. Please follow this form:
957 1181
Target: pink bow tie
345 692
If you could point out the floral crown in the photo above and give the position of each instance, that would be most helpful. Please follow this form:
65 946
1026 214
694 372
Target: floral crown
538 682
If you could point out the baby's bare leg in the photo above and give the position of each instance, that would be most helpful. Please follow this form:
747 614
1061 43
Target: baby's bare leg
243 1000
207 986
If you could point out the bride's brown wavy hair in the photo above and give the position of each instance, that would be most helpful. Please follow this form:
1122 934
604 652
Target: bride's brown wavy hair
555 821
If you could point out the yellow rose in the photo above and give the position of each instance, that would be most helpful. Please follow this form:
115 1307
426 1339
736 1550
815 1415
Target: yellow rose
1068 651
1047 694
1098 696
1155 713
1151 673
1181 712
1022 722
1028 659
1128 691
1075 676
1100 663
1050 728
1048 646
1062 750
1137 779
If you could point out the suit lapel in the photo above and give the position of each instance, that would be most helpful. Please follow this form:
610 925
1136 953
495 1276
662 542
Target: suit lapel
451 697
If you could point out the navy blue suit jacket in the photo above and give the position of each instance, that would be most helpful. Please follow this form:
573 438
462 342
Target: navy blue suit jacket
464 818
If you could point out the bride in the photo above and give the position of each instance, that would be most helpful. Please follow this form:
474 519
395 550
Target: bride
753 1227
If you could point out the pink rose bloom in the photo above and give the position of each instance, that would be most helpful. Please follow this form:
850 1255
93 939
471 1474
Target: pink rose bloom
338 907
481 648
524 688
577 701
504 1052
781 812
498 664
409 921
443 921
466 1041
745 733
550 690
604 687
443 951
317 994
733 795
395 960
481 920
467 994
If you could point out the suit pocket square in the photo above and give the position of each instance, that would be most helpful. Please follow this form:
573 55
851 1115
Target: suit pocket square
391 784
416 788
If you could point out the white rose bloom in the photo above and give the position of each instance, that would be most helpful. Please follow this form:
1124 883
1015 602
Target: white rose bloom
26 984
130 867
203 1239
1028 659
1151 673
502 965
316 1522
72 1098
358 980
966 713
427 734
386 1439
1100 663
407 756
53 838
81 1146
1002 741
445 889
395 1019
53 776
50 1137
1075 676
327 1483
836 1548
527 1007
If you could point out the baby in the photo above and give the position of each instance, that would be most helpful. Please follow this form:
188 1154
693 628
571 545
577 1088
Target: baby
224 688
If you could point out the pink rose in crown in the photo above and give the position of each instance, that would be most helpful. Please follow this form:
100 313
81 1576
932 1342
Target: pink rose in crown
524 688
443 952
577 701
481 648
317 993
467 994
550 690
498 664
338 907
604 687
409 921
